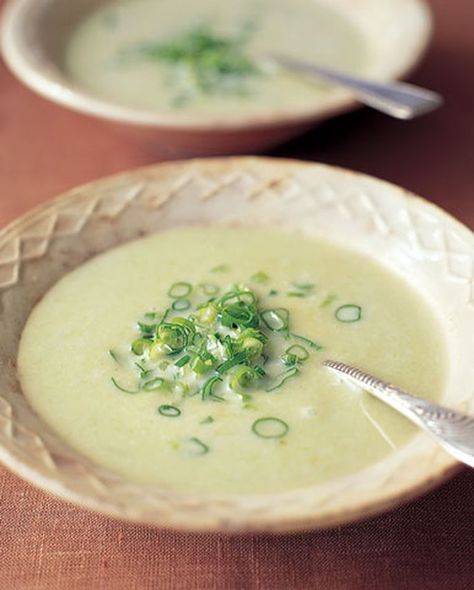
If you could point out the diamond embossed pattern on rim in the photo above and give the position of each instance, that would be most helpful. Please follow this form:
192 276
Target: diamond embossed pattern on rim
432 250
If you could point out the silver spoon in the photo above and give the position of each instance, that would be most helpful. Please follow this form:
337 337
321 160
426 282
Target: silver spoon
453 430
397 99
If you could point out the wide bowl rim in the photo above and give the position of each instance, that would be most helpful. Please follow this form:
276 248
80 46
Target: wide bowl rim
353 513
65 93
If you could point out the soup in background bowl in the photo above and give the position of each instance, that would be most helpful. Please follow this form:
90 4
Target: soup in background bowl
257 270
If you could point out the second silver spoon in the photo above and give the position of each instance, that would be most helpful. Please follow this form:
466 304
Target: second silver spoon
397 99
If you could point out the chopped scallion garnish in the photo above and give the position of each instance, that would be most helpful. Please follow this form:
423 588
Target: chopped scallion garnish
179 290
349 313
197 447
220 268
154 384
270 427
260 277
169 411
276 320
282 378
209 289
114 355
181 305
140 345
124 389
207 420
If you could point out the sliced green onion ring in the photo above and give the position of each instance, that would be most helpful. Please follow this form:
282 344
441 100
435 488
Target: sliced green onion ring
184 360
207 391
299 351
276 319
198 447
113 355
260 277
282 378
348 313
270 427
140 345
181 304
169 411
124 389
179 290
154 384
209 289
243 378
309 342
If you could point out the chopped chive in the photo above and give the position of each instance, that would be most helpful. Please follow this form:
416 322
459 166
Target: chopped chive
273 292
238 359
328 300
203 362
282 378
151 315
184 360
179 290
260 277
207 391
220 268
114 355
303 286
198 447
181 304
173 336
169 411
309 342
243 378
154 384
146 329
238 296
207 420
143 372
270 427
276 319
139 346
348 313
299 351
239 315
124 389
300 294
209 289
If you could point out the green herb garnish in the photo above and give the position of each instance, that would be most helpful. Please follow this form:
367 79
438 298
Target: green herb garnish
270 427
217 348
169 411
348 313
197 447
180 290
260 277
124 389
207 420
220 268
203 62
114 355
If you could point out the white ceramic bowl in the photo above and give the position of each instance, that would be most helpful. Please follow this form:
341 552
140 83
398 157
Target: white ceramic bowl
34 33
413 238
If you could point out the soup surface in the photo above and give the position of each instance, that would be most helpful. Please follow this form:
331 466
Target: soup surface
285 422
194 57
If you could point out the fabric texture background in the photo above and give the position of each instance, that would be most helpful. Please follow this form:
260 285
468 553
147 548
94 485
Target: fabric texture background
46 544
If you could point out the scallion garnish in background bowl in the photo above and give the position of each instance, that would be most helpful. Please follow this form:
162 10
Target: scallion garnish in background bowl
202 62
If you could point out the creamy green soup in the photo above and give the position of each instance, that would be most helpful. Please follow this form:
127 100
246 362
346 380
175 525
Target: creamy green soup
103 359
201 57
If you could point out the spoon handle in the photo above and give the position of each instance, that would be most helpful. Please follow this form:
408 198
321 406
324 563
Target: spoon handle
397 99
453 430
